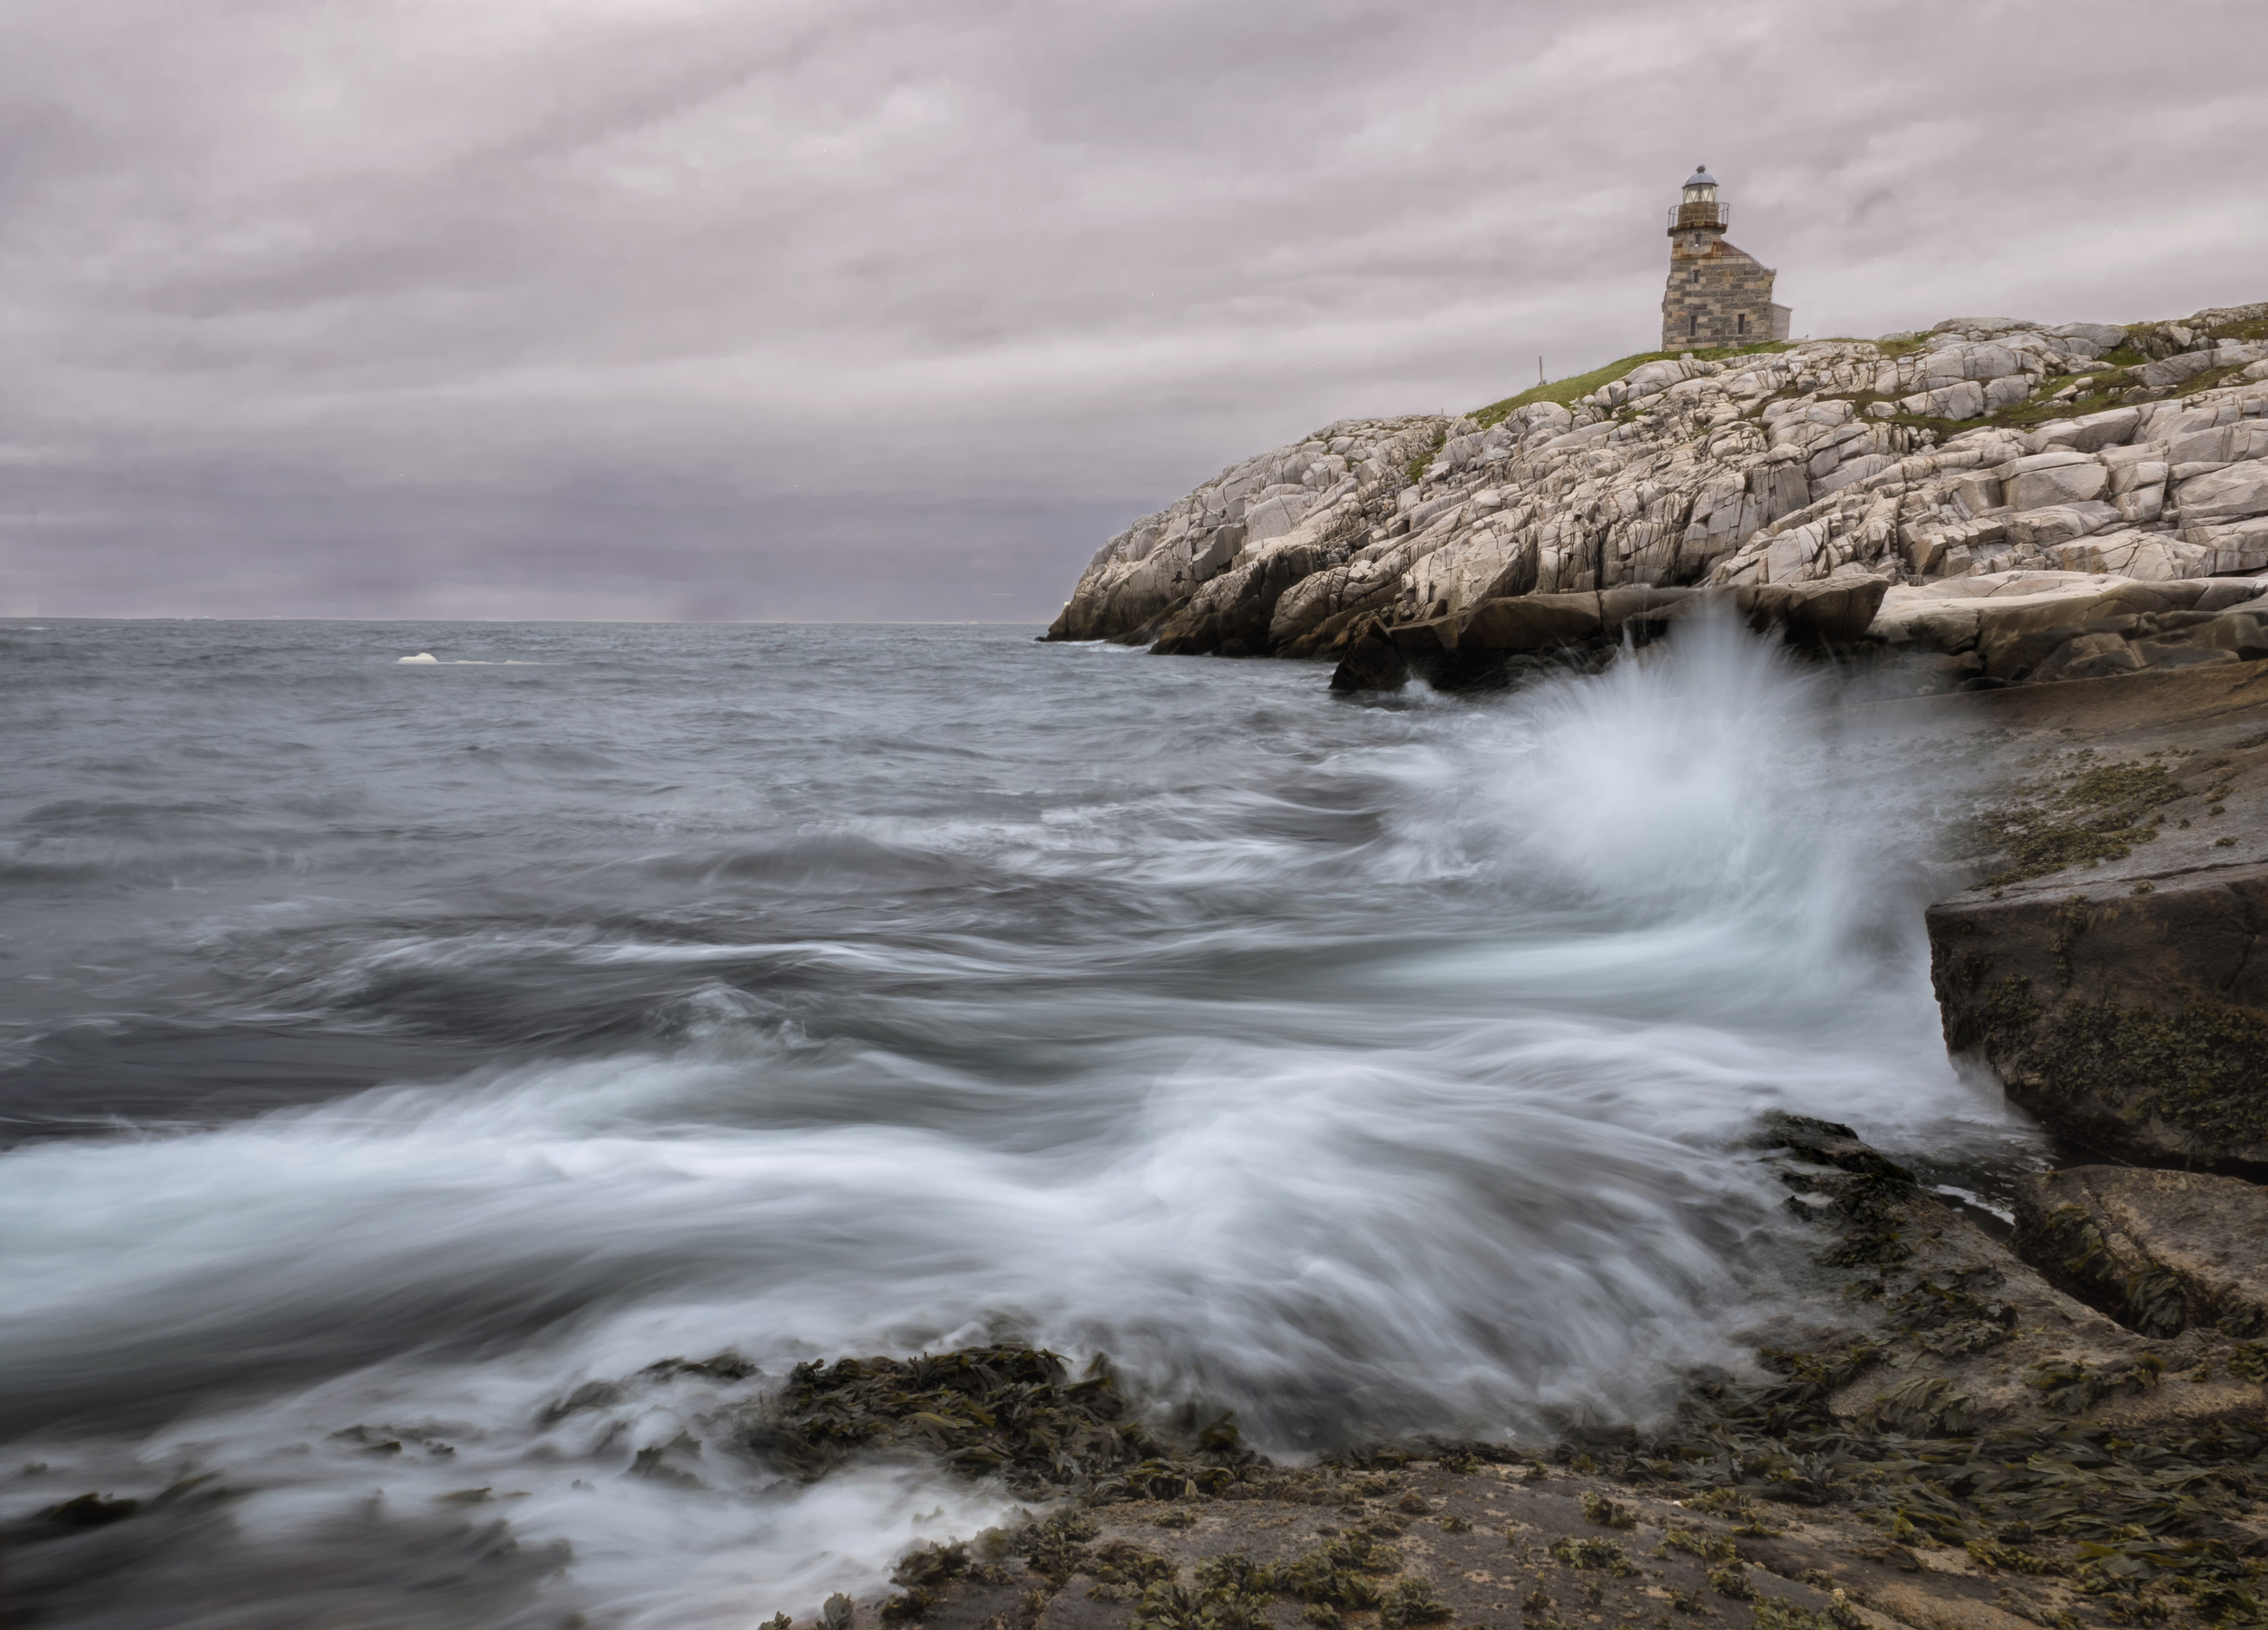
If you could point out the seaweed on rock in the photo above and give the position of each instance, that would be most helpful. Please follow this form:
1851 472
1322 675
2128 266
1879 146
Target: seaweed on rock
1005 1410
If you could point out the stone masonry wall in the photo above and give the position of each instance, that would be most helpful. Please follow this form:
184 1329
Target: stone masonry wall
1718 297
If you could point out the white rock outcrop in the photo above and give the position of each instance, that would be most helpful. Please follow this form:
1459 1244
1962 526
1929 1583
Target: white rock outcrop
1770 467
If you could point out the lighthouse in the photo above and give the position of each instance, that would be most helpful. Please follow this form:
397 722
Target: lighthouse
1718 295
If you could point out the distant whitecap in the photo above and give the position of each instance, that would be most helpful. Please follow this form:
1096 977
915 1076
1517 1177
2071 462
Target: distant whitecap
420 657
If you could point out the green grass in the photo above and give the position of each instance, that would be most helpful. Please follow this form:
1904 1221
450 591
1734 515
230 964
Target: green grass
2110 369
2108 391
2256 328
1416 467
1566 392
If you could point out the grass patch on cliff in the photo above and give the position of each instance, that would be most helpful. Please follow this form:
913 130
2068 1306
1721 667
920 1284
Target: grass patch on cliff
2103 391
1415 468
1568 392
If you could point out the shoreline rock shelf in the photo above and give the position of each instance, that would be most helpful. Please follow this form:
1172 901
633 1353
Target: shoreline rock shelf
2110 962
1981 448
1936 1434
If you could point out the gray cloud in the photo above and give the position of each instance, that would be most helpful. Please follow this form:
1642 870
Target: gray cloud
877 308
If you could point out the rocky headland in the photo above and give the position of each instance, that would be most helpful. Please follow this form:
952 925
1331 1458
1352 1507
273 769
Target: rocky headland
1989 482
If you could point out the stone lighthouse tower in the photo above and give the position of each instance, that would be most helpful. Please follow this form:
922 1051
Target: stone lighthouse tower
1718 295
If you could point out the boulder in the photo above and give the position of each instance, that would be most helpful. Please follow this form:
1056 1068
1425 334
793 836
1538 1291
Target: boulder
2135 1023
2141 505
1964 400
2226 494
2042 529
1274 516
2085 656
1371 663
2145 557
1478 647
2175 370
2088 434
2243 634
1320 610
2058 477
2121 643
1825 613
2025 637
2006 391
1482 566
2161 1252
2218 443
2237 550
2090 339
1531 623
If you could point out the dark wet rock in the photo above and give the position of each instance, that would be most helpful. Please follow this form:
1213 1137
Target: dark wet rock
2105 960
2136 1022
77 1516
1827 614
1008 1411
1471 647
1537 622
1372 663
2161 1252
179 1557
1475 648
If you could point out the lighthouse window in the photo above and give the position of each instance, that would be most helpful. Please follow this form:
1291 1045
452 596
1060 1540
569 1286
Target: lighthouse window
1692 324
1740 325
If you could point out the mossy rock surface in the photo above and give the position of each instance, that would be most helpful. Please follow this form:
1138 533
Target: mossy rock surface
2161 1252
2136 1022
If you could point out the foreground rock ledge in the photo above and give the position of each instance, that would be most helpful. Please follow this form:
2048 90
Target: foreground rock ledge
1936 1437
2161 1252
2111 967
2136 1022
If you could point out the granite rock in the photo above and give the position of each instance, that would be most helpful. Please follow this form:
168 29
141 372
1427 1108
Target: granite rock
1760 469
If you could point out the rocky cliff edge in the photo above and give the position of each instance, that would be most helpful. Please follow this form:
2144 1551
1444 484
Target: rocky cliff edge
1978 448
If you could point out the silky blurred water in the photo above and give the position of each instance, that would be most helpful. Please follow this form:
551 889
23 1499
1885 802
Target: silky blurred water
401 1046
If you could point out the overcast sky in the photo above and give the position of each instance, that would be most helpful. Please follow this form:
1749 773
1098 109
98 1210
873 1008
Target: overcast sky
769 308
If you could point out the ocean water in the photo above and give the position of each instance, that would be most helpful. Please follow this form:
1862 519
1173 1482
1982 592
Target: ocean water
391 1049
